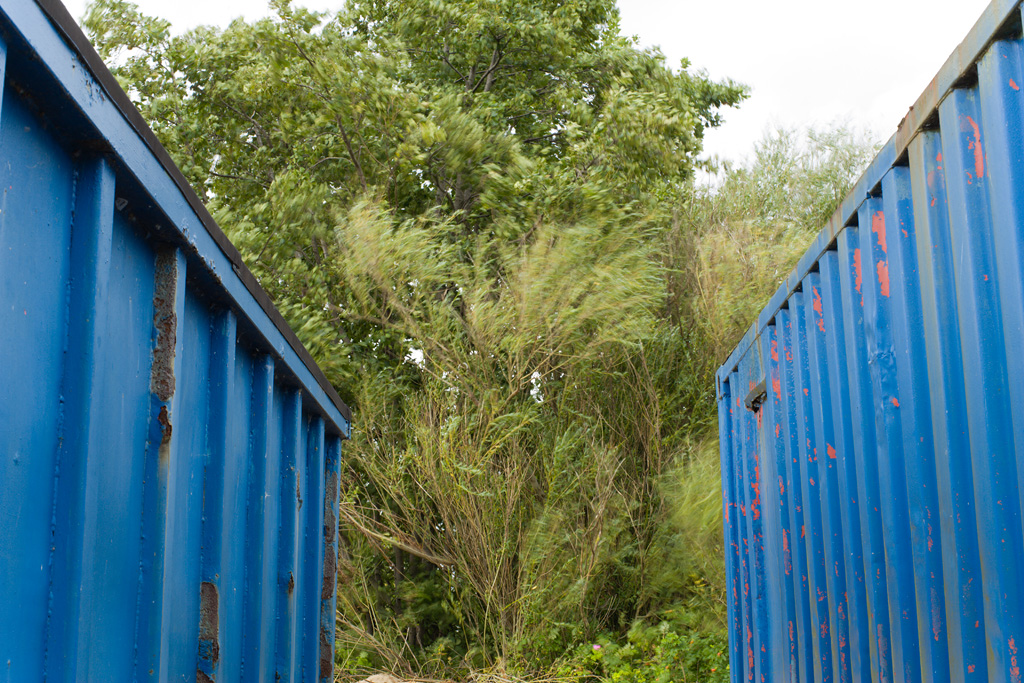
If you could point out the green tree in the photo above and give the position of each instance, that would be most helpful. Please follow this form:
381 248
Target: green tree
461 206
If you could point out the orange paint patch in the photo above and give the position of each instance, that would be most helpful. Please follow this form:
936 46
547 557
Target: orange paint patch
777 431
970 668
831 452
933 201
1014 85
883 277
782 487
856 269
755 505
816 305
895 402
969 125
775 350
777 388
878 227
936 615
1014 668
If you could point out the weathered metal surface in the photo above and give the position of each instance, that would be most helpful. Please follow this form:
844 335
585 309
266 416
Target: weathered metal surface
170 453
874 497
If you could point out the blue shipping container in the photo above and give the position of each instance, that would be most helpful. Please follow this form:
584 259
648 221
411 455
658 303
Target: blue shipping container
872 419
169 473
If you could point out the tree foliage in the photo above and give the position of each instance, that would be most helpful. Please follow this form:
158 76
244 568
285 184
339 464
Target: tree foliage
739 241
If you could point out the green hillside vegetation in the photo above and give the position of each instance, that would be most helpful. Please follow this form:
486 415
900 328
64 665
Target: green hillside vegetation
480 216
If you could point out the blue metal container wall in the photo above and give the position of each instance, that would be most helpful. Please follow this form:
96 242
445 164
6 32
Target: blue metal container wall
169 472
872 419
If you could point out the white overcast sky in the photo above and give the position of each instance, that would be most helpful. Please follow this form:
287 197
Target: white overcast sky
807 62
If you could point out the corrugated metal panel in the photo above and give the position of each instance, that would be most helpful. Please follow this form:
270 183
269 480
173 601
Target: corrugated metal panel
169 474
874 488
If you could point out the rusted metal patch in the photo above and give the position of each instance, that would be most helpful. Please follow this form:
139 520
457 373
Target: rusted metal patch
330 523
209 643
332 488
326 656
165 320
164 452
330 572
165 426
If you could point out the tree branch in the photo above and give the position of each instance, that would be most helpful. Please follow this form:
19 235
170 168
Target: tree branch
487 79
351 153
444 57
394 542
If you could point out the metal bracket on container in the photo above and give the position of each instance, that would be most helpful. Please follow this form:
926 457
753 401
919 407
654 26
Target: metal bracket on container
757 396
